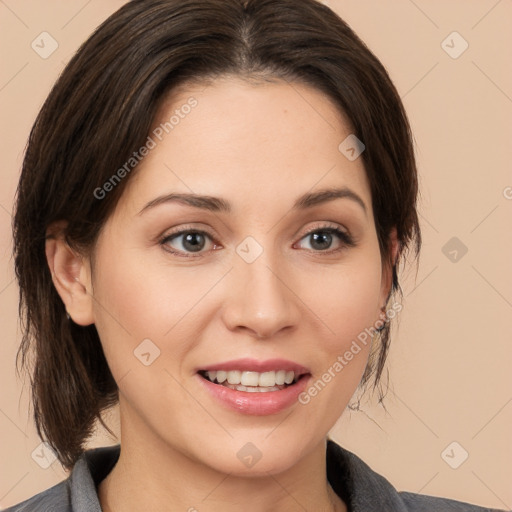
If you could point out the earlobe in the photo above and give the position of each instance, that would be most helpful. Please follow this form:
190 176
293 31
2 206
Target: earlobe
70 275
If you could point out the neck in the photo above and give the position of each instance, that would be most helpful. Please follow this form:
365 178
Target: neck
151 475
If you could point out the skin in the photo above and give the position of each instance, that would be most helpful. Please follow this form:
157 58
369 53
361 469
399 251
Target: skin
259 147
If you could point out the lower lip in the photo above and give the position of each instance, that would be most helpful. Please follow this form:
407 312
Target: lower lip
257 404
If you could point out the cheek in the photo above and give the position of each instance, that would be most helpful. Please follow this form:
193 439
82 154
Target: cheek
347 307
135 301
346 300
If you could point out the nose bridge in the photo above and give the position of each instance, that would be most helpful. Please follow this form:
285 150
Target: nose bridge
259 297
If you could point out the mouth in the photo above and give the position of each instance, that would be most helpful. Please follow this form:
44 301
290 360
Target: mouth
254 382
254 386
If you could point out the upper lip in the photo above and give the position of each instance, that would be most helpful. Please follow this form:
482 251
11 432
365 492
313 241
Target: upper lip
255 365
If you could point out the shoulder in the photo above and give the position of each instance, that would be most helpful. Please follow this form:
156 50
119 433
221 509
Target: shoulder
57 499
78 492
423 503
365 490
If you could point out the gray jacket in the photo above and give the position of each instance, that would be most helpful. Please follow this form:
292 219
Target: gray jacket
355 482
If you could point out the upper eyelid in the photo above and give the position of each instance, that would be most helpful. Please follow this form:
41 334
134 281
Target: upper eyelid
326 225
184 230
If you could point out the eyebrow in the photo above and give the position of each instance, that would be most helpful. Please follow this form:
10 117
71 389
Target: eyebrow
217 204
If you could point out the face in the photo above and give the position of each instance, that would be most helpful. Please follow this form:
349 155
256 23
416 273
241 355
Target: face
263 280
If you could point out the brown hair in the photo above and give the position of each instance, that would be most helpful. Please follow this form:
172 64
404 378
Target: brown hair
101 110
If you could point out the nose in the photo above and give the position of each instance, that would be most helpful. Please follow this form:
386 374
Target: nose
260 300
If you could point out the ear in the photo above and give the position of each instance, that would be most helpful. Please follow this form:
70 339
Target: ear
387 267
71 275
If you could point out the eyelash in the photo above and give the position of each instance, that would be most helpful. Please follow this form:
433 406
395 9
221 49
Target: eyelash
346 239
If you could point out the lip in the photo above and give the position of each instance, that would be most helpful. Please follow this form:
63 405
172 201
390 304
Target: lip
256 404
254 365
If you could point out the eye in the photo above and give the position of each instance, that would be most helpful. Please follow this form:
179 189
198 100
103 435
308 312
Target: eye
187 241
321 239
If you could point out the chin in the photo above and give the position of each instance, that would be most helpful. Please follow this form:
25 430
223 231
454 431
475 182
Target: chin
252 455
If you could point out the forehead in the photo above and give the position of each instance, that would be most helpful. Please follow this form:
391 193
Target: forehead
252 143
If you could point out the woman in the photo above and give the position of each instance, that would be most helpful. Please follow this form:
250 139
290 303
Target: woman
214 202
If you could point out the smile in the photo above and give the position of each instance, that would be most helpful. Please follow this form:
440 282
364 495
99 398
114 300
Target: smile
254 387
252 382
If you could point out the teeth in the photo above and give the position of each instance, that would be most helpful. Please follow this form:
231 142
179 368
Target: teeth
234 377
246 379
280 375
268 379
249 378
253 389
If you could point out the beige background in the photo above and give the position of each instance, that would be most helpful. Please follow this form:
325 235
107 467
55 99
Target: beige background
450 361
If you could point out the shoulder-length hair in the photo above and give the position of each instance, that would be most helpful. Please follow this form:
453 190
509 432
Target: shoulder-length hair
101 110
